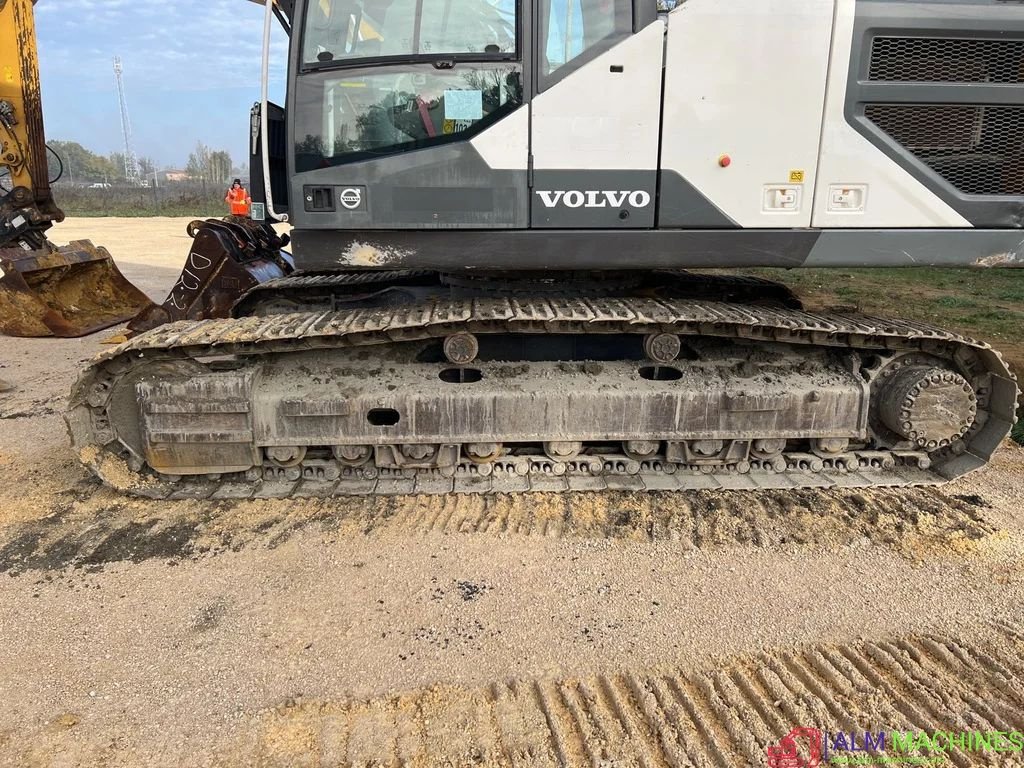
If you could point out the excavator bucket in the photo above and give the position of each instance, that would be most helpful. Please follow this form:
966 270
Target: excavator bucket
228 257
70 291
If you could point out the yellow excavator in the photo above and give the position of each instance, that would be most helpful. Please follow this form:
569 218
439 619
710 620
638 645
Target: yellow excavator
77 289
44 290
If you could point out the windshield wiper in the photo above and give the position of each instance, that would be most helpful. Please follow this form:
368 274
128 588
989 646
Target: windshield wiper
445 61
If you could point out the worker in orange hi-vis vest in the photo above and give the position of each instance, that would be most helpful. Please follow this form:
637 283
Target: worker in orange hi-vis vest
238 198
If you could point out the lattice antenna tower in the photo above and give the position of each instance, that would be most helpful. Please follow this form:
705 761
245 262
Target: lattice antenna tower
131 162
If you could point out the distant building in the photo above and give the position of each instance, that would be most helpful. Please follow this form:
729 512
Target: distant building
172 176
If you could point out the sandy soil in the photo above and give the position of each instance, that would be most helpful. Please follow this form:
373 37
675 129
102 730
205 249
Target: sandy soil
574 629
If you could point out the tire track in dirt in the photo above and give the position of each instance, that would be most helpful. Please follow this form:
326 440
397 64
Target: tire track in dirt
711 718
87 527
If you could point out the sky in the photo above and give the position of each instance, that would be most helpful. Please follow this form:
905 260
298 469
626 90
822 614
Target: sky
191 71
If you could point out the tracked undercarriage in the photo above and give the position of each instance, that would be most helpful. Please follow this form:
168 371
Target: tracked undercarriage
407 383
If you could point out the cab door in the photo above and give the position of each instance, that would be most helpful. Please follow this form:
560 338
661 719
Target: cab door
597 114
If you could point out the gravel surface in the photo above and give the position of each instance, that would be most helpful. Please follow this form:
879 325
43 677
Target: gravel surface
614 629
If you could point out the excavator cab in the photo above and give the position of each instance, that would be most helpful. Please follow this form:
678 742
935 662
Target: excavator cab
505 135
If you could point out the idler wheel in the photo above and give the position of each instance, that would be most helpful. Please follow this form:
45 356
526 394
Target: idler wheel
930 406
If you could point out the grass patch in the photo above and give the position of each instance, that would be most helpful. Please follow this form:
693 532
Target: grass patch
185 210
1018 433
993 298
955 302
1012 293
136 202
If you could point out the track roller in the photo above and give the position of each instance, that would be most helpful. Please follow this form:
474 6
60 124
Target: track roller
826 447
662 347
562 450
483 453
461 348
768 448
286 455
641 450
353 455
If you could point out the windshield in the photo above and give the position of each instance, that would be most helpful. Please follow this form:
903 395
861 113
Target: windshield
359 29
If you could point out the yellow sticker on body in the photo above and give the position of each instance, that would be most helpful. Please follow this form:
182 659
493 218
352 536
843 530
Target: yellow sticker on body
796 177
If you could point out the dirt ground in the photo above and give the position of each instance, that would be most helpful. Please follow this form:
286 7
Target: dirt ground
618 629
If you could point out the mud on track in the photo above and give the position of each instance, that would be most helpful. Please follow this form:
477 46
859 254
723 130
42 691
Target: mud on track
88 527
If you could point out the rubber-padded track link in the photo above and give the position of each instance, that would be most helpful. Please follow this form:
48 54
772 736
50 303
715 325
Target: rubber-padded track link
97 445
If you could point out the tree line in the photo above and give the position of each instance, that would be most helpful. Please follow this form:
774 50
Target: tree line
75 164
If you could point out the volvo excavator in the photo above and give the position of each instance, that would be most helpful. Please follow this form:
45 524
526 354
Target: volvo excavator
496 207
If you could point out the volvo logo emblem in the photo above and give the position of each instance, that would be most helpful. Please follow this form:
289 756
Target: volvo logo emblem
351 198
578 198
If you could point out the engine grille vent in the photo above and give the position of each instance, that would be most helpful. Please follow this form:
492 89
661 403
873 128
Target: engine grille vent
946 60
978 149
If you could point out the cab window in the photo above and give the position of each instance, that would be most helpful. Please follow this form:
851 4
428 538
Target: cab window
357 115
576 31
355 29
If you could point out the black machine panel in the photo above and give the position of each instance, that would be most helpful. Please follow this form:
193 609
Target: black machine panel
939 87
